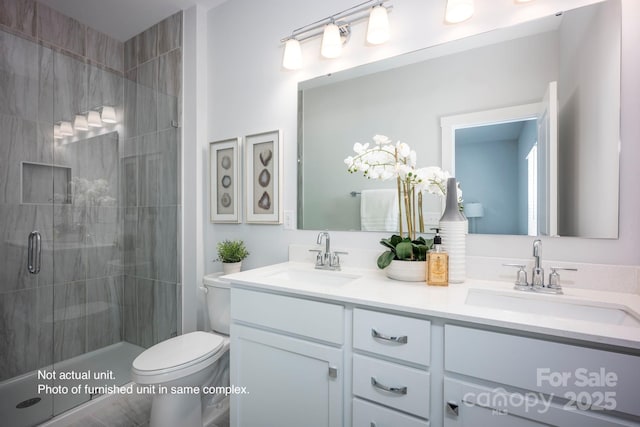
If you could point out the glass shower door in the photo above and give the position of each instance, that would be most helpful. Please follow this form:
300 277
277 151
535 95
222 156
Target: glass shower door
87 256
27 172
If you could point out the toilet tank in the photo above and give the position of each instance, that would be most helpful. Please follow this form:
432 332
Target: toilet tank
218 293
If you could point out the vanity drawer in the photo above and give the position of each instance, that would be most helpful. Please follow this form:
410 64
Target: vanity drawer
366 414
597 377
313 319
411 386
372 331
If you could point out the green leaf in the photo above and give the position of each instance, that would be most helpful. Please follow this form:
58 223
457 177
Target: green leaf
421 252
404 250
387 243
420 241
429 244
395 239
385 259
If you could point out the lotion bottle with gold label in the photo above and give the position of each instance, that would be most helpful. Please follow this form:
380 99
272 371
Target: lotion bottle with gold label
437 263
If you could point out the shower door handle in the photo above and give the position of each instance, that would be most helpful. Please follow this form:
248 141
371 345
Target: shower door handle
34 254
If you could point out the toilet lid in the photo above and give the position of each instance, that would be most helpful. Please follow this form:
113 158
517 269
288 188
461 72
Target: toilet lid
181 350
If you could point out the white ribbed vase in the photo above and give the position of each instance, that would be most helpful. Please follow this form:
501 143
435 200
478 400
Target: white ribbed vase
453 229
454 240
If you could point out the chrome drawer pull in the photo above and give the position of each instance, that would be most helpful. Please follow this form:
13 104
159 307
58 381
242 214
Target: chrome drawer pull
395 390
400 340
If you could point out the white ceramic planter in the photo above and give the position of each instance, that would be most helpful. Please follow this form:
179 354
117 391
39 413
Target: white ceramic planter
231 267
407 271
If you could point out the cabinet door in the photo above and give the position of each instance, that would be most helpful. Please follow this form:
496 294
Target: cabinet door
289 382
468 404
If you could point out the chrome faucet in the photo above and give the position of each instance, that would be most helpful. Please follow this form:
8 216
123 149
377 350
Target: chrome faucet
327 241
327 260
537 280
537 274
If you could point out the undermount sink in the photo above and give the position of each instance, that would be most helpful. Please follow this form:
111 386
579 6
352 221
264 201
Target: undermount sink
313 277
547 305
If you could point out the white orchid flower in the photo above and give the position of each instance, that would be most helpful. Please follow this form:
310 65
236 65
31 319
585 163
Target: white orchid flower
403 150
381 139
360 148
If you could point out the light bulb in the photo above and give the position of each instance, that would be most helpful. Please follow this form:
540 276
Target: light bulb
331 41
80 123
292 59
66 129
458 11
378 28
94 120
109 115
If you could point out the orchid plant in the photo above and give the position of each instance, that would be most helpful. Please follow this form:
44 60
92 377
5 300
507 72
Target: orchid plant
385 160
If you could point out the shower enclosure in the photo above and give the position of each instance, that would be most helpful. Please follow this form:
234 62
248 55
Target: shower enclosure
89 205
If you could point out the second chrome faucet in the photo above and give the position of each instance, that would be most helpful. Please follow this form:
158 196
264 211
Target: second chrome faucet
537 274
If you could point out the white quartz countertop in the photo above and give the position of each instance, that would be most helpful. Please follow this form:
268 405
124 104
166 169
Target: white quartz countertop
372 288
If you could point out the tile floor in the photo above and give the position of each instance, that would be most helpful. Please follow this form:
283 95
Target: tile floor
134 411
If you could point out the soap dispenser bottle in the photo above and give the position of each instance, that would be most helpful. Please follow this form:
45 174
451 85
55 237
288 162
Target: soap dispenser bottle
437 263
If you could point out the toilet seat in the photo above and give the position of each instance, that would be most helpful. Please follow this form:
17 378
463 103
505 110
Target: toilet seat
175 357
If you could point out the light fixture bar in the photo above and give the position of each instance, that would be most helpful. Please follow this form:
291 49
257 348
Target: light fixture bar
300 33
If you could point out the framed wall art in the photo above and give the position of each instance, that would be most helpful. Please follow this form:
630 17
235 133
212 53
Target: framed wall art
263 178
224 181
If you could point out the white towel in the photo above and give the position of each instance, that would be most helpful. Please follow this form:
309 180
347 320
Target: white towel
379 210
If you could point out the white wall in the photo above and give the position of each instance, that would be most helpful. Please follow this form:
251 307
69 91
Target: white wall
527 140
489 171
585 152
248 92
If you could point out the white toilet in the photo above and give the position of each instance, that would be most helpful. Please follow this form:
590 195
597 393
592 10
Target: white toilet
186 360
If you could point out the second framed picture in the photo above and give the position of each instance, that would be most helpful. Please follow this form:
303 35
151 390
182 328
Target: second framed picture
263 178
224 180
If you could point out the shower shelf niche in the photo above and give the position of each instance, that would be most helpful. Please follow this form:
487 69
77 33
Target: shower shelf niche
37 180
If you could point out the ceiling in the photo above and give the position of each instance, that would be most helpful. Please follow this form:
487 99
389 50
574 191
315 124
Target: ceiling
123 19
490 133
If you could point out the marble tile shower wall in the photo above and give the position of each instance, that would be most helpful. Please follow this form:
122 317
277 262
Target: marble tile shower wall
52 67
106 278
151 182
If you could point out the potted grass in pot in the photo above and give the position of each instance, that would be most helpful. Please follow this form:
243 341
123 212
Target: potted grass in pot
231 253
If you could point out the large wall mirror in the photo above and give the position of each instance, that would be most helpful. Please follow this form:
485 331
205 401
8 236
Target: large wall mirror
477 108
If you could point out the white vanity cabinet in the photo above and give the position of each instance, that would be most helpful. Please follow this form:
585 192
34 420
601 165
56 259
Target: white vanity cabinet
499 379
287 353
390 378
309 359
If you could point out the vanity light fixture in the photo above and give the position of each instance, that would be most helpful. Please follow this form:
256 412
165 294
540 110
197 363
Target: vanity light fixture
292 59
378 26
93 119
523 1
336 30
80 122
66 129
458 11
331 41
109 114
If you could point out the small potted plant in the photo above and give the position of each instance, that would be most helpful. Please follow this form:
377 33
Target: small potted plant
231 253
404 249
